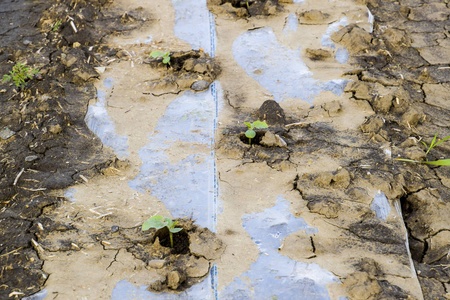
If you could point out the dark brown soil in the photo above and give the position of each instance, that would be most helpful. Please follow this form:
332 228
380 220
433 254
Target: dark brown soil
47 145
244 8
185 70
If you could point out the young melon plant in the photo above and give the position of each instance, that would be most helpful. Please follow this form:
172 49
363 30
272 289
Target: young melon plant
159 222
441 162
250 133
164 55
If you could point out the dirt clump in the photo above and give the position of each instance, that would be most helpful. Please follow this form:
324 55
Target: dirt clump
194 70
246 8
187 263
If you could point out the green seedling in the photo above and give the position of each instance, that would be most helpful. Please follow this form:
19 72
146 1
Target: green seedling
250 133
56 26
164 55
19 74
441 162
159 222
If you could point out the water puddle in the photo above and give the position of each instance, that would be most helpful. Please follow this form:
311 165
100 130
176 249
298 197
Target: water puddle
274 276
99 122
279 69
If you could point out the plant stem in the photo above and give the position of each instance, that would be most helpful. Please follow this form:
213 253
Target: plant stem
249 141
171 239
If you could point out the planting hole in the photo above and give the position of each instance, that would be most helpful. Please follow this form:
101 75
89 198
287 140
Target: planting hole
180 240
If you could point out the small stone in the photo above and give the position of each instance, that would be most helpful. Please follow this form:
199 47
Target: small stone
100 70
174 279
114 228
271 140
26 42
313 17
68 59
156 285
156 263
31 158
200 85
6 133
333 107
318 54
55 129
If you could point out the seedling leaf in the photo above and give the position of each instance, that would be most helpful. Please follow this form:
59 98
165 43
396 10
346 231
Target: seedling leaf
432 144
156 54
444 139
442 162
250 134
408 160
249 125
259 124
166 60
156 222
175 230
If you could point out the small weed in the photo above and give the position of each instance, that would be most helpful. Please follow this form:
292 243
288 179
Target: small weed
441 162
250 133
164 55
56 25
19 74
159 222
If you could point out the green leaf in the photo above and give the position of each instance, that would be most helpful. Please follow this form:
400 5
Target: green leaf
248 125
444 139
156 54
169 222
408 160
432 144
442 162
166 60
6 78
166 54
175 230
156 222
259 124
250 134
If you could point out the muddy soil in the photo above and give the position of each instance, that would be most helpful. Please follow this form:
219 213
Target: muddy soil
244 8
329 158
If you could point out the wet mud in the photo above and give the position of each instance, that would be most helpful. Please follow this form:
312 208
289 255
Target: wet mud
384 224
244 8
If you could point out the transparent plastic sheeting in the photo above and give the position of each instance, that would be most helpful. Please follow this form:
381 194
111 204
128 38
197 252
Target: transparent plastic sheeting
99 122
274 276
187 187
381 206
195 24
291 24
278 69
38 296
